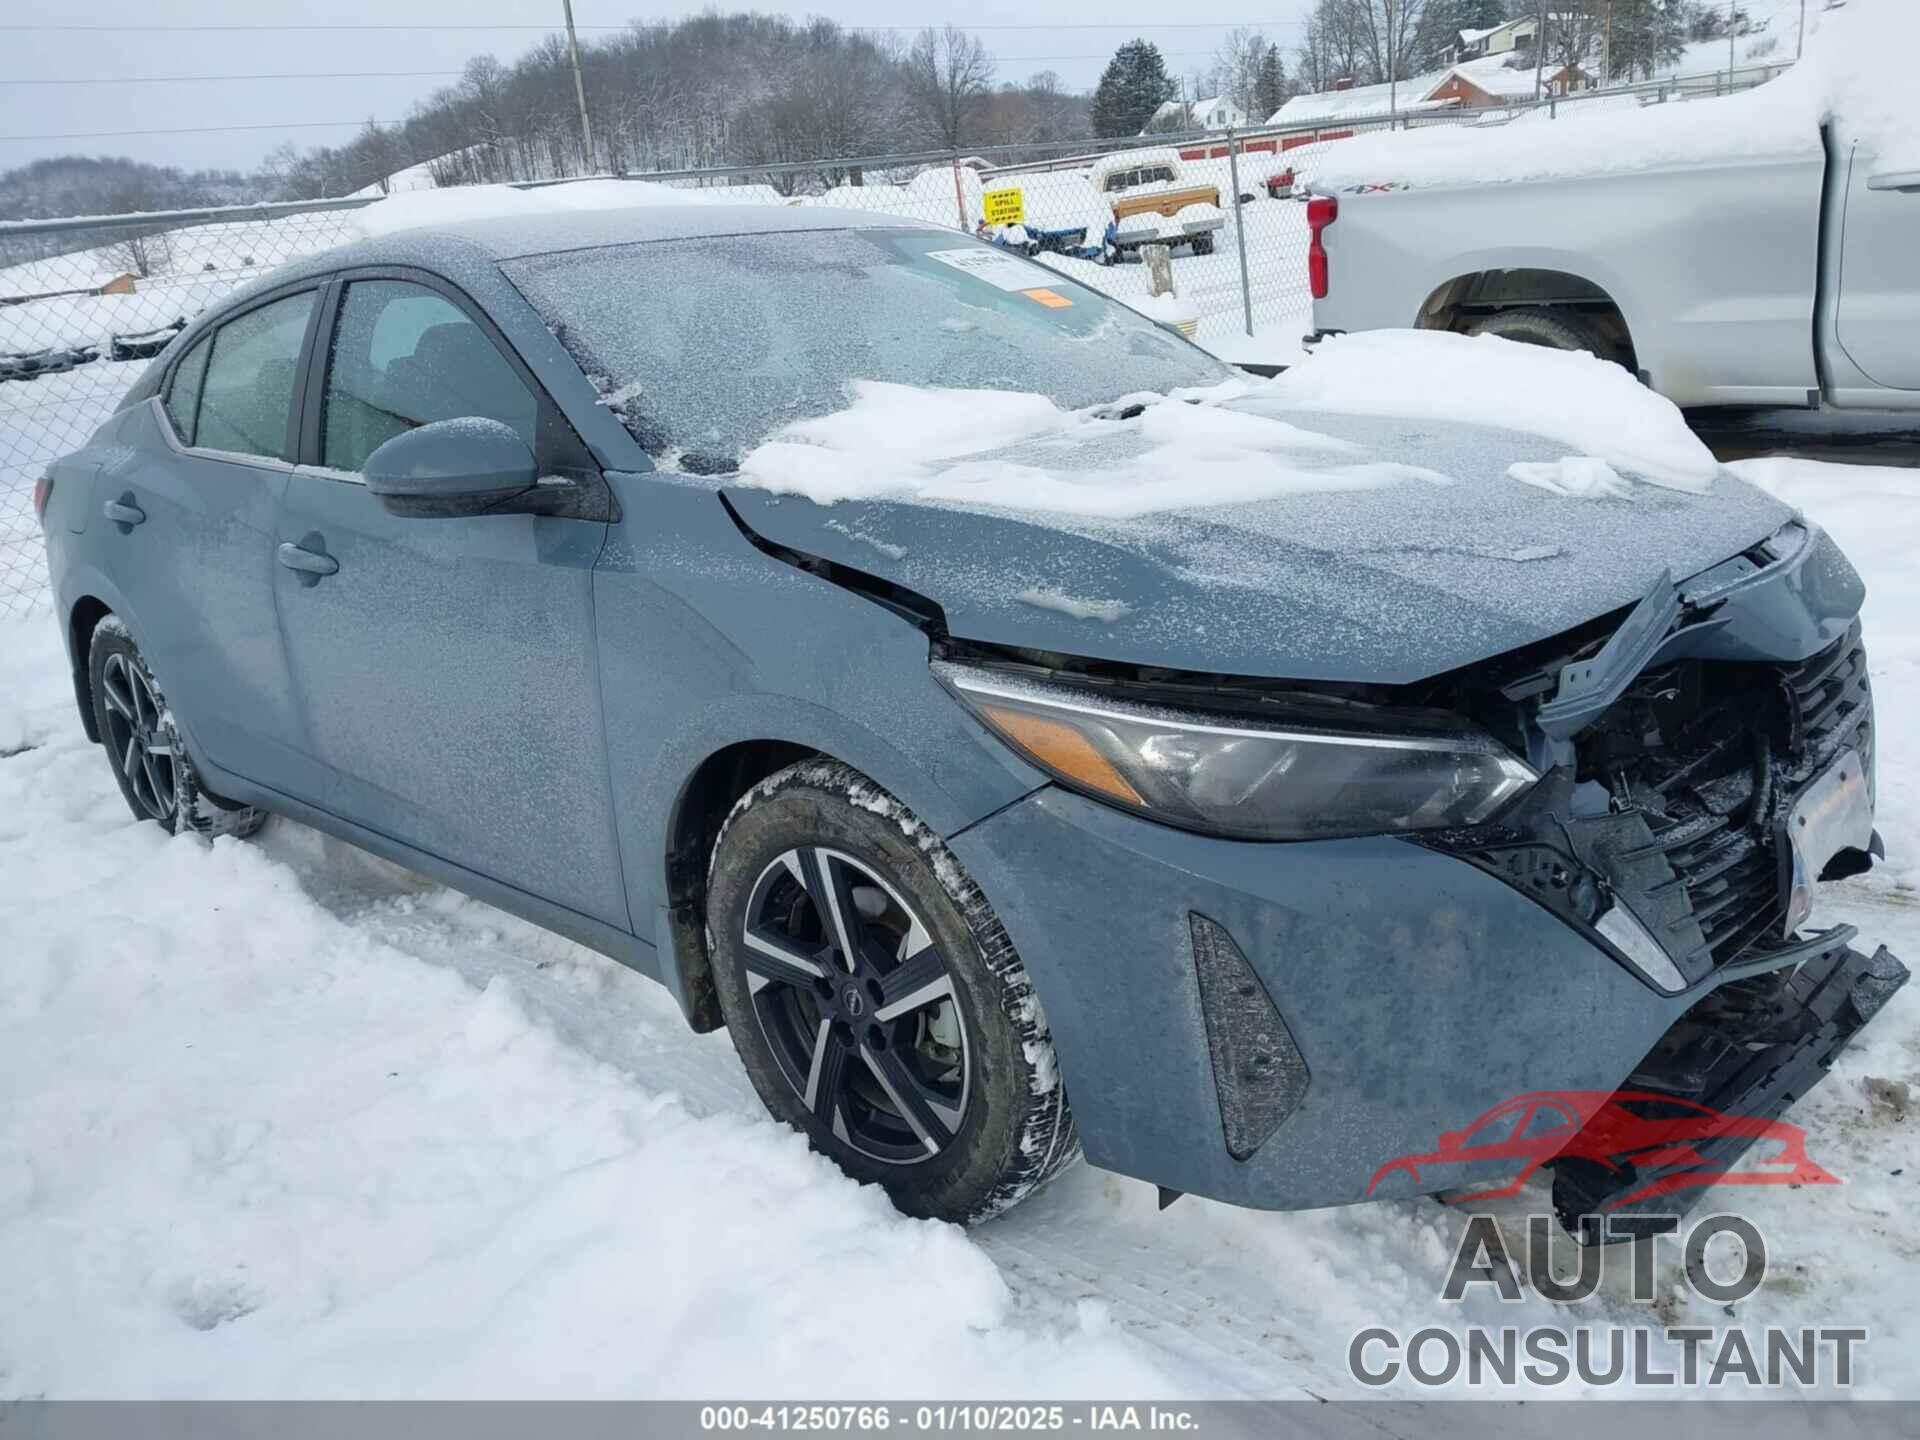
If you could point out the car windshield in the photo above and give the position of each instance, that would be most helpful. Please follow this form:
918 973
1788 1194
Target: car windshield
704 347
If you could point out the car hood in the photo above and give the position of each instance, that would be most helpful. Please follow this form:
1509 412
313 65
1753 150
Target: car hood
1386 585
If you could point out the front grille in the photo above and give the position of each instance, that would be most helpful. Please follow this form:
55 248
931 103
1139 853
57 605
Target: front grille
1710 755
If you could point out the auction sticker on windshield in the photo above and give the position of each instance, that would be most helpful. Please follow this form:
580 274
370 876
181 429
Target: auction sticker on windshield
1003 272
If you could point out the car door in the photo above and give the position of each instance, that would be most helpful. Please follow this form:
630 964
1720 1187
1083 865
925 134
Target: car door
187 519
1879 305
446 665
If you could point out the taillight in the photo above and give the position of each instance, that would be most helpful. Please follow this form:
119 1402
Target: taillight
42 492
1322 211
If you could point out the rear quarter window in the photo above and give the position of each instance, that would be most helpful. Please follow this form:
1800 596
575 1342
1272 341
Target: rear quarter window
183 390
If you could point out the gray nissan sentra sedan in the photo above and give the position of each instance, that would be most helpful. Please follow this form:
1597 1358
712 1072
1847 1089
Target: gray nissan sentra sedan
1330 831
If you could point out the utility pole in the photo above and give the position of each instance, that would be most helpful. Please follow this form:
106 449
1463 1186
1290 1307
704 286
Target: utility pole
1393 77
1606 51
1800 47
1539 50
579 87
1731 11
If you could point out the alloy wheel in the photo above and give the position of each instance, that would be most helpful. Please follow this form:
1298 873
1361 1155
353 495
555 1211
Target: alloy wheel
140 746
857 1005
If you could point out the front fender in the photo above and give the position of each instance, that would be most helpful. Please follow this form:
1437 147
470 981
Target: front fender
705 642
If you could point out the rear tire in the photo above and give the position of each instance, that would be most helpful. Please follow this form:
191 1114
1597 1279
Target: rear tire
1202 244
1554 329
924 1065
143 744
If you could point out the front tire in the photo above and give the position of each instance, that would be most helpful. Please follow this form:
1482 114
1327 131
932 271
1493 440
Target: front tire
149 759
876 1002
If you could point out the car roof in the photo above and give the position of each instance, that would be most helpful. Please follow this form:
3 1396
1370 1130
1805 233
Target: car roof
451 244
469 252
512 236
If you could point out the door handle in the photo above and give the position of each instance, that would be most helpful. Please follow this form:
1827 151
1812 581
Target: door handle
308 564
1906 181
124 513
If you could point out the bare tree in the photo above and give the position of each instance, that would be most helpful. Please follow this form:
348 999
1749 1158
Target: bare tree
1386 29
1237 67
381 152
144 252
947 78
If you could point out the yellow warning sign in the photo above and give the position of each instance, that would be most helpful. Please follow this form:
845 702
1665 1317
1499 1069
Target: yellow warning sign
1003 207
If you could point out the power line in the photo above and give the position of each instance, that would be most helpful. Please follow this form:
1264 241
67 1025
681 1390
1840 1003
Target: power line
548 29
212 79
426 74
192 130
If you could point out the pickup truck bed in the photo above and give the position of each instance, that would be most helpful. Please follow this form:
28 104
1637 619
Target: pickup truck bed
1784 280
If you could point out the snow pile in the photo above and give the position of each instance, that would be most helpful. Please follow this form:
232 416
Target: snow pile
1594 407
1173 310
1855 70
1046 597
1582 476
252 1149
939 447
1865 55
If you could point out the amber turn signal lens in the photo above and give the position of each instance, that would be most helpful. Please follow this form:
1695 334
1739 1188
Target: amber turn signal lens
1062 749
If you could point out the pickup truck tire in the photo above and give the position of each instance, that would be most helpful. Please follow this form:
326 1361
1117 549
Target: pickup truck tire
1556 329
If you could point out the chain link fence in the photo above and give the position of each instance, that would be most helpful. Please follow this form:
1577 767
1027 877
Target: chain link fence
86 304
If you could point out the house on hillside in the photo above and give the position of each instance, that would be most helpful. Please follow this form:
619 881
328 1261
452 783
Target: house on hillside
1332 114
1498 80
1491 82
1515 35
1216 113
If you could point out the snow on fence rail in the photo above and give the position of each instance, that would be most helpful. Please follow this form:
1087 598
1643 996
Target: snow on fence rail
85 303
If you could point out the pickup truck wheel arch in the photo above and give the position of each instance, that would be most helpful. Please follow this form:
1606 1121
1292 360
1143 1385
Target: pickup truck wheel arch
1466 303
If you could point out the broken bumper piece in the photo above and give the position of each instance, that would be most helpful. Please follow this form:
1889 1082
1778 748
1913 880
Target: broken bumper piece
1748 1051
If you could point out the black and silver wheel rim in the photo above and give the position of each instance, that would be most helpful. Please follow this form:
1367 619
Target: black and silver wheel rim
857 1005
139 744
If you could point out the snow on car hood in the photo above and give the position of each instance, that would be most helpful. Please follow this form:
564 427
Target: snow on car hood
1221 537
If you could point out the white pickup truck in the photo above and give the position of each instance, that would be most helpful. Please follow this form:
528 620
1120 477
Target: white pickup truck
1741 251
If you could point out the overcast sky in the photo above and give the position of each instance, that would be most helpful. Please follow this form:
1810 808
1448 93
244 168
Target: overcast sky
120 40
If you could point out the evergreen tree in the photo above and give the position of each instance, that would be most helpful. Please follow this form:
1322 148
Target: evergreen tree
1133 86
1646 35
1269 87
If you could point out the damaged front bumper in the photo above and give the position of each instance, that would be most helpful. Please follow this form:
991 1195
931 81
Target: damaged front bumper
1747 1052
1288 1026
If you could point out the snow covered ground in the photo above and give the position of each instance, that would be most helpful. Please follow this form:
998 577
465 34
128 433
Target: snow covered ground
279 1119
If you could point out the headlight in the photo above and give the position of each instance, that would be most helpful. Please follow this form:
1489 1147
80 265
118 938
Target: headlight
1250 780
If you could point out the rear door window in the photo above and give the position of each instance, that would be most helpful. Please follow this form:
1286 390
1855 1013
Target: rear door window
405 356
183 391
246 402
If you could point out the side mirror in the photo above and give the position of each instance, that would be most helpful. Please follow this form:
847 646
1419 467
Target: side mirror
451 467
